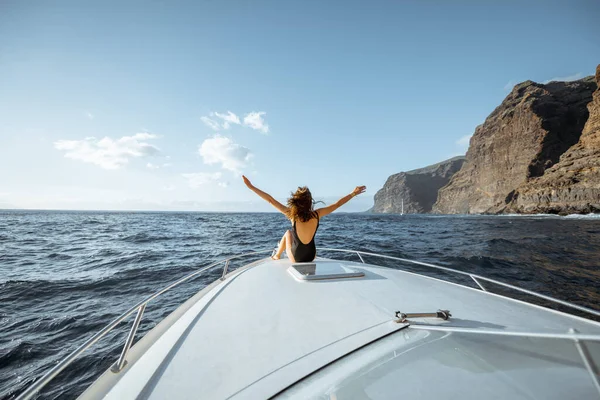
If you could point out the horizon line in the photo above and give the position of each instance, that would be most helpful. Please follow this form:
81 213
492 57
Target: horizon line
169 211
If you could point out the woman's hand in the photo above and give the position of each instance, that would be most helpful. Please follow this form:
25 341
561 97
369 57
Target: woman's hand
247 182
358 190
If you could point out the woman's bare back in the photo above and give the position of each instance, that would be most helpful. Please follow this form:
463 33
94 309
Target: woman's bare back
306 230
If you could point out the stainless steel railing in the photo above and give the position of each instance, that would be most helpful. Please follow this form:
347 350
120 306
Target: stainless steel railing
476 278
578 339
141 306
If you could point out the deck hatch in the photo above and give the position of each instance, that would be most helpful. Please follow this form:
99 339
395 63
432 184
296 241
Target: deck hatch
323 270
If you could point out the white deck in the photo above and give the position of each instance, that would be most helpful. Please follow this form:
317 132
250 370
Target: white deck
260 331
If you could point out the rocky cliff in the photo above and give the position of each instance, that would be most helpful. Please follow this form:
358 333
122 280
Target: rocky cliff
522 138
418 188
573 184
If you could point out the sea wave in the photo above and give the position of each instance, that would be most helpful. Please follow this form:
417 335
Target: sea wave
583 216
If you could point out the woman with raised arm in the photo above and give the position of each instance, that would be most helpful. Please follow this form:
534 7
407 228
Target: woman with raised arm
299 242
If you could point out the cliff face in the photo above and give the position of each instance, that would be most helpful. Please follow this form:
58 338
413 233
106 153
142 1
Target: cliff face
418 188
573 184
519 141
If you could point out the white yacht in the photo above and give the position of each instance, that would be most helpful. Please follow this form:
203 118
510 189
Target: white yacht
337 329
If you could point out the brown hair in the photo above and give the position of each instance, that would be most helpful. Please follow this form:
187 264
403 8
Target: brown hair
300 205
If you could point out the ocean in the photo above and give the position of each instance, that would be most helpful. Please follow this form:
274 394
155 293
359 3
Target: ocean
66 274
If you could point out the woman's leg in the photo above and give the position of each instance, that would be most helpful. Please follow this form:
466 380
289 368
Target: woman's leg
284 244
288 245
280 247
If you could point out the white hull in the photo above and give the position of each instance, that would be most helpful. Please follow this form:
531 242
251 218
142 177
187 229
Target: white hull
260 331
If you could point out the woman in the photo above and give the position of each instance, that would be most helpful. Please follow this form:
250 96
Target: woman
299 242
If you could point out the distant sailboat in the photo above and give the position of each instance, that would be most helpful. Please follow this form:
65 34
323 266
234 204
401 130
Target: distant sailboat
402 209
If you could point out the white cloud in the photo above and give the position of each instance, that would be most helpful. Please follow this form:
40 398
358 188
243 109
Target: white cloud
463 142
569 78
157 166
168 188
106 152
255 121
197 179
224 151
89 115
229 118
211 123
509 85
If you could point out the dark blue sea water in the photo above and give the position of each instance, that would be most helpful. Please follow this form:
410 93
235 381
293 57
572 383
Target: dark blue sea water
65 275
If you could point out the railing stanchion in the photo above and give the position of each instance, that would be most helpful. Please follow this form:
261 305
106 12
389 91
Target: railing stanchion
225 270
478 283
359 256
136 323
586 358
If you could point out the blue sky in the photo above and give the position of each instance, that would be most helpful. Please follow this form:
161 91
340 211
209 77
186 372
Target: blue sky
162 105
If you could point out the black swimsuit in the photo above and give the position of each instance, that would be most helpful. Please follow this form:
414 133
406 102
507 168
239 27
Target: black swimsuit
304 252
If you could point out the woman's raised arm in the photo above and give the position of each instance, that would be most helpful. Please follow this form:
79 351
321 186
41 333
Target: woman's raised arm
331 208
266 196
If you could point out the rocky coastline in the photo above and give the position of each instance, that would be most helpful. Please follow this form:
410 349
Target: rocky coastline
416 190
537 152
